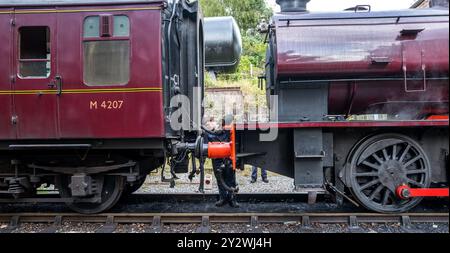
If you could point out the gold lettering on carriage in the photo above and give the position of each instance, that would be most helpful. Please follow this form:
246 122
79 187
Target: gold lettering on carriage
106 105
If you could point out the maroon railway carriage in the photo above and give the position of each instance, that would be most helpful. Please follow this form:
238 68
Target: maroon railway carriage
363 101
85 89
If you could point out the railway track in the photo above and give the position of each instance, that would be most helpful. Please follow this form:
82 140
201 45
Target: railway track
203 220
53 197
204 203
241 197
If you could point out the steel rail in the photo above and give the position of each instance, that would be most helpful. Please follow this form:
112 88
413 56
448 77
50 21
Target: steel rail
182 218
241 197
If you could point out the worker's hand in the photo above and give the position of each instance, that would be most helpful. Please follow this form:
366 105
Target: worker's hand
218 131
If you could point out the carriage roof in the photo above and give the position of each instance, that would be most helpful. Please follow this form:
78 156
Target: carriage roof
18 3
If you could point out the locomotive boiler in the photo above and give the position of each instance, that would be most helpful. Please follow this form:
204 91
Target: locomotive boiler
361 104
393 63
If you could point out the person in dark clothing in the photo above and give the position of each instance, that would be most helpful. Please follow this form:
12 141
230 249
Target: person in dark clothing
228 174
255 175
229 177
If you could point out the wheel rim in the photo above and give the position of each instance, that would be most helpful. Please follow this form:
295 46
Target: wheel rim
111 192
383 163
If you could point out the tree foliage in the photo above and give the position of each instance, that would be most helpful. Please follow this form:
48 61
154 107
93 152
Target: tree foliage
248 14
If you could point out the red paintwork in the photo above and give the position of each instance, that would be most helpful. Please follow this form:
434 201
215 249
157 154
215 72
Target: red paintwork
49 116
387 98
37 114
6 129
219 150
349 124
142 113
405 192
342 45
233 146
438 117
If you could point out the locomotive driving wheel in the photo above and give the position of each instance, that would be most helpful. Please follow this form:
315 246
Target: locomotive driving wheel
381 164
108 189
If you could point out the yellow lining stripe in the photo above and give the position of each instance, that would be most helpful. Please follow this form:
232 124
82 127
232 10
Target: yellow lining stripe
80 10
80 91
147 88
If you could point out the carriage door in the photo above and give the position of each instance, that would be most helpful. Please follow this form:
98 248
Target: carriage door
6 128
36 83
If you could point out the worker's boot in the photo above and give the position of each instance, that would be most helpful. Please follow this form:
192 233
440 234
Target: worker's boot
265 180
233 203
221 202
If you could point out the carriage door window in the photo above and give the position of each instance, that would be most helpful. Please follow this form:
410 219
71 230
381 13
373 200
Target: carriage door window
34 52
106 50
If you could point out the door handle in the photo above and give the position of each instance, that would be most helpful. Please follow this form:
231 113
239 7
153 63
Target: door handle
59 84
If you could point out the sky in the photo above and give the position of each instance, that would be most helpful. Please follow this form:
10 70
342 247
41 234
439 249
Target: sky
339 5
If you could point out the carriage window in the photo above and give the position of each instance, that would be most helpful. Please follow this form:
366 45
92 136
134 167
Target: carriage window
91 27
34 52
121 26
106 50
106 63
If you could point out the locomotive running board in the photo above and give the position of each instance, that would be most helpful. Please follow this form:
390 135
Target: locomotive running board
439 122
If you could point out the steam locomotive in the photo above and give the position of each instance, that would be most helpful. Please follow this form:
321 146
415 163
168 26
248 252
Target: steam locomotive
362 101
90 92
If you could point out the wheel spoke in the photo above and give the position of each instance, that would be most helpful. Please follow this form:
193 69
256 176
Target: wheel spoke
371 183
385 154
413 160
371 165
367 174
413 172
377 158
374 193
405 152
394 152
410 181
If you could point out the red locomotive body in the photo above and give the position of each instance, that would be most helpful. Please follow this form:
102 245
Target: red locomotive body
393 62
